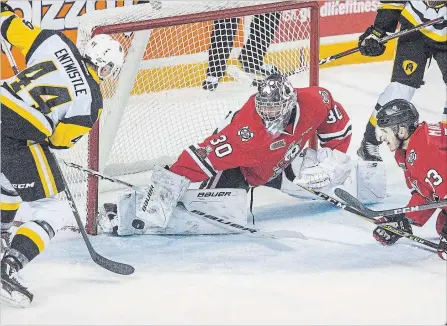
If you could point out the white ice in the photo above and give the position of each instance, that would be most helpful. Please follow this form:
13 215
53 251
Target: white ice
340 275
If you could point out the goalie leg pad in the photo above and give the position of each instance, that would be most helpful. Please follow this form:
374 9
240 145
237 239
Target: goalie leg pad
228 203
165 190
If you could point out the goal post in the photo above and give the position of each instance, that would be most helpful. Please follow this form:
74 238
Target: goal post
157 106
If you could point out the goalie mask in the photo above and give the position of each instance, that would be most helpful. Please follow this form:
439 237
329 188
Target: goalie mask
402 119
275 100
106 54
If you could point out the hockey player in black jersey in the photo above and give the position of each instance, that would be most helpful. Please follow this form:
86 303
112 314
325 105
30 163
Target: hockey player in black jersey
52 103
262 32
413 53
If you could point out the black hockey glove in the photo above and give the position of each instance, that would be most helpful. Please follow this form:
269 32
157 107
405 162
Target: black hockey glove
388 238
369 42
442 246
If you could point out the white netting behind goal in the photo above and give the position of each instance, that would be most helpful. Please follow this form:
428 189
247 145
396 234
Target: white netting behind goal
157 107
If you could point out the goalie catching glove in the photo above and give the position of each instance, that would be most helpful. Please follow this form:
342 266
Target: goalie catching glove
321 169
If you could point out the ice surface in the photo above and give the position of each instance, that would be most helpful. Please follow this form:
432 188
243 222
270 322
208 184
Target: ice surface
339 276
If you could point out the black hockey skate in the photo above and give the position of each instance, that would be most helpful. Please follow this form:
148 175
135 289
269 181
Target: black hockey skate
210 83
5 238
369 152
12 291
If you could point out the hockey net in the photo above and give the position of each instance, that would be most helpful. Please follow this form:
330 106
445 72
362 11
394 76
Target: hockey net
157 106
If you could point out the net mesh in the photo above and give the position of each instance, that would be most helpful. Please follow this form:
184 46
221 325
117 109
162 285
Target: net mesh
158 106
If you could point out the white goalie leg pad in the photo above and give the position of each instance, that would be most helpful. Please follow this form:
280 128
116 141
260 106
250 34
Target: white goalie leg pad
228 203
129 222
367 182
165 190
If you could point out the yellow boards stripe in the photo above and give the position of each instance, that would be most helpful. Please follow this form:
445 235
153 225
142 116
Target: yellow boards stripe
26 115
33 236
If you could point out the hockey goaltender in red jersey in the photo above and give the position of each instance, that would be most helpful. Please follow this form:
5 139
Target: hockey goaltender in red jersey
260 144
421 151
267 133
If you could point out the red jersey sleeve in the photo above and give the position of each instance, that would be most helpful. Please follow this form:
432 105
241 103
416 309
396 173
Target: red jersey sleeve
221 151
432 173
335 132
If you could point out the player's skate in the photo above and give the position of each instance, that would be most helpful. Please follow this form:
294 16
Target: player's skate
12 291
5 238
369 152
210 83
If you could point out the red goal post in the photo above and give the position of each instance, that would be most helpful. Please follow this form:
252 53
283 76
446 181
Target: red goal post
157 106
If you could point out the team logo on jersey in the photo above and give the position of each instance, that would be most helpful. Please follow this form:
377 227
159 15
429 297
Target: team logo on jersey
277 144
412 157
293 150
203 152
409 66
325 96
245 133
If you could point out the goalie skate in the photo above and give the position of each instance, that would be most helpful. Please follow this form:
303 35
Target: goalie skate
12 291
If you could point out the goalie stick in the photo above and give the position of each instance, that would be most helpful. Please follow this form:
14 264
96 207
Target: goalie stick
354 211
113 266
351 200
238 74
220 220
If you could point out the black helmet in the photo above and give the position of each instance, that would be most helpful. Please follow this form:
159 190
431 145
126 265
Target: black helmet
398 113
275 101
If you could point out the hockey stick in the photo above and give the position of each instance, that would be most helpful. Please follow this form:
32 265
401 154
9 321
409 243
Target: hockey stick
381 41
371 219
8 53
223 221
351 200
108 264
238 74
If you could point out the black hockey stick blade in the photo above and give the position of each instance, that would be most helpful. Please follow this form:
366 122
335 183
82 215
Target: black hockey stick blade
113 266
352 201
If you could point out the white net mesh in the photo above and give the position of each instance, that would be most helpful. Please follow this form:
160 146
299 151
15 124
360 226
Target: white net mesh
159 105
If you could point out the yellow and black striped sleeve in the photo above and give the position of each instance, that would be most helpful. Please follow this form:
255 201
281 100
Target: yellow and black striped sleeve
69 130
388 14
18 32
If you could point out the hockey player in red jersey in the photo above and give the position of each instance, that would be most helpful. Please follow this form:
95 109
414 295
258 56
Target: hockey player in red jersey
258 143
421 151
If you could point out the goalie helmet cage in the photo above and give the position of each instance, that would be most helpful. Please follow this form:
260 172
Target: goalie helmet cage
157 106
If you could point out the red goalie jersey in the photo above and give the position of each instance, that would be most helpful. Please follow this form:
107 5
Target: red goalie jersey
425 167
245 142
